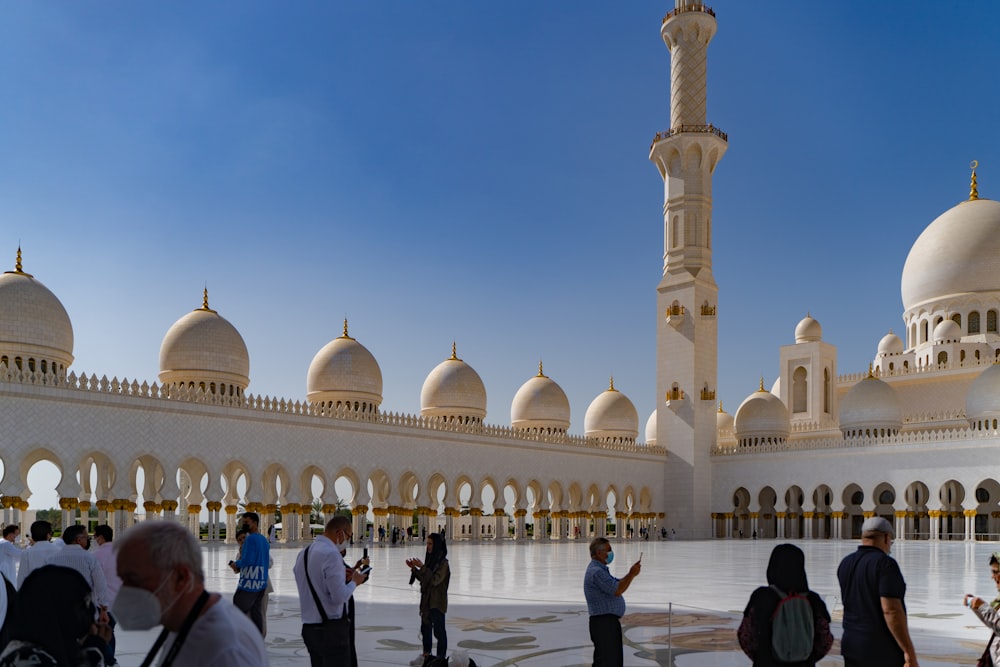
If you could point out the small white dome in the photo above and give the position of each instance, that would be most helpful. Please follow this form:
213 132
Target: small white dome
540 404
947 331
808 330
890 344
453 390
203 348
651 429
611 416
34 324
870 408
762 417
723 421
344 372
982 402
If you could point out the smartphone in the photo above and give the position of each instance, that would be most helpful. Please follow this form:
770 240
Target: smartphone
640 556
365 554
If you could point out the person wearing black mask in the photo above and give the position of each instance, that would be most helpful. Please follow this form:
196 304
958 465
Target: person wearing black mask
53 622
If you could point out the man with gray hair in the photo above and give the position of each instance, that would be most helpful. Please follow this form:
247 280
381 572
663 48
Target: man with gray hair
605 603
159 563
876 632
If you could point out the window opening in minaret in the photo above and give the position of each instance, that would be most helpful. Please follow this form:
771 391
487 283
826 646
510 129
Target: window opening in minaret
799 390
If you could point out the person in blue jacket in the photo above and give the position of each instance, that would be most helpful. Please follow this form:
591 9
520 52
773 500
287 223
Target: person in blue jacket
252 568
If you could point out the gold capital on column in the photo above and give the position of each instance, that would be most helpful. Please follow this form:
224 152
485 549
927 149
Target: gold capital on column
232 509
213 505
84 506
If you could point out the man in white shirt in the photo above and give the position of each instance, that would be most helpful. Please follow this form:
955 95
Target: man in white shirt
10 553
76 555
321 565
163 558
40 551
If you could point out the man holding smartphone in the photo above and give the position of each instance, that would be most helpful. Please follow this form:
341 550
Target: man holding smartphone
605 603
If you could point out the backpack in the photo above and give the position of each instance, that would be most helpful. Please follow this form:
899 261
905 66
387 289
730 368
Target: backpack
792 628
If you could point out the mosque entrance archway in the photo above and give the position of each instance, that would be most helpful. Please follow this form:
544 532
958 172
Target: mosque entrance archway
952 525
916 525
767 522
987 525
854 516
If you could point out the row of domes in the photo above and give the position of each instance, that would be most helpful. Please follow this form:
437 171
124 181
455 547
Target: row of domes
870 408
203 349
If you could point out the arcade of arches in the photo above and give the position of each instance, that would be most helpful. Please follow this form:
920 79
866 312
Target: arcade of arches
200 496
951 511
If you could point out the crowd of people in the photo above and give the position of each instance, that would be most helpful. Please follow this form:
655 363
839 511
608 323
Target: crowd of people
61 600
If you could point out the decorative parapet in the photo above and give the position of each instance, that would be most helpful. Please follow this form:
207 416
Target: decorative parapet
125 389
915 438
689 129
707 394
687 8
968 363
707 310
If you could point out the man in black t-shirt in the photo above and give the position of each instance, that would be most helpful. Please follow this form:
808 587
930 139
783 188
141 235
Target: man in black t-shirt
872 590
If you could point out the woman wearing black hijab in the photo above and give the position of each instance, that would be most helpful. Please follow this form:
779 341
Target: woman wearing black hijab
434 576
53 621
786 576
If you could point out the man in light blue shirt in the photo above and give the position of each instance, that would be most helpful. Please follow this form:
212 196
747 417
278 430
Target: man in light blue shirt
605 603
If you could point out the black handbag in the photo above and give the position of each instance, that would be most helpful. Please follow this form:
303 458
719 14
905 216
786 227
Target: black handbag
986 659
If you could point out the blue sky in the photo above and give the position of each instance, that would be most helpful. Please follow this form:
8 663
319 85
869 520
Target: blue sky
477 172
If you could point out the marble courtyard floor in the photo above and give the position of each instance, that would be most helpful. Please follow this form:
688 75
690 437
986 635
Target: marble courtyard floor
522 604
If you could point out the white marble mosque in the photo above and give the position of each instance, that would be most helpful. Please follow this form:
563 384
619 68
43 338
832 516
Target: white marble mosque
913 438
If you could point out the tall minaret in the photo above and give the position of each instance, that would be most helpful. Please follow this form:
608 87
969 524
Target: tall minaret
687 296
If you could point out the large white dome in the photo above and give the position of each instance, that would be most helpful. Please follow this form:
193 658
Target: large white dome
540 404
957 254
982 402
344 372
611 416
204 349
33 323
762 419
871 408
453 390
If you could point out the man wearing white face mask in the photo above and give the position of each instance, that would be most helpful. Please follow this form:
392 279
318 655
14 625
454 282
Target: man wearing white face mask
325 586
159 563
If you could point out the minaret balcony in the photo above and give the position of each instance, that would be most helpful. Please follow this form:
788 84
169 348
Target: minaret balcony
707 394
689 129
675 315
675 395
688 8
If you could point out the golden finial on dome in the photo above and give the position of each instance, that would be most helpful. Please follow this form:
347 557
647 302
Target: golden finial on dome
720 407
204 301
761 383
974 186
454 351
18 268
871 371
345 331
540 373
611 384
